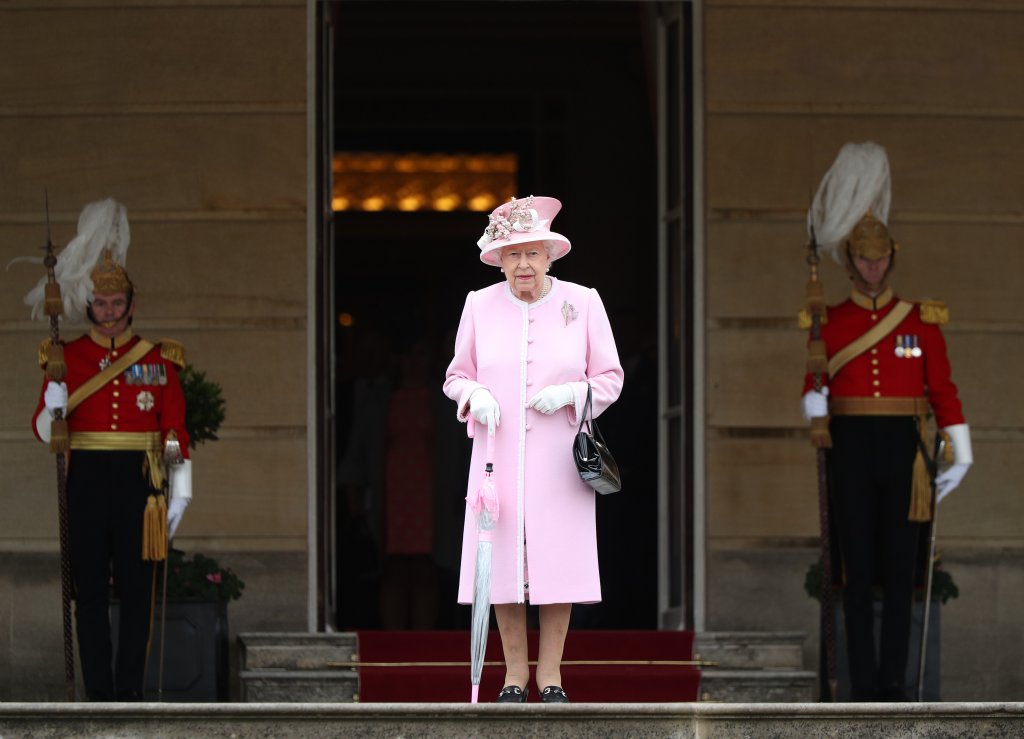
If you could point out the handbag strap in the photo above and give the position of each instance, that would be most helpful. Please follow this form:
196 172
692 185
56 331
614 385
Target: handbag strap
591 422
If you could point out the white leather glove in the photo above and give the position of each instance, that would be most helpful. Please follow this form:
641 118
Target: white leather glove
174 513
815 404
963 457
946 482
181 494
55 397
551 398
484 408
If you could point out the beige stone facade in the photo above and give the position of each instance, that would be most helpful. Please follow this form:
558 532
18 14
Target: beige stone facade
194 113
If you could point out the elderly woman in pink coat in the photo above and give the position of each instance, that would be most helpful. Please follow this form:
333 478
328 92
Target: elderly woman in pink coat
527 347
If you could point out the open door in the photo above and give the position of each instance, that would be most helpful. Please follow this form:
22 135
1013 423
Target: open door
680 534
322 529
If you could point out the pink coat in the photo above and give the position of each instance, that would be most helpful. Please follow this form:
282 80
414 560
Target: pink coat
514 349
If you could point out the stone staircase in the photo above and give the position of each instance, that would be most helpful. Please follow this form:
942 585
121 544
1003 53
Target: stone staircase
755 667
751 667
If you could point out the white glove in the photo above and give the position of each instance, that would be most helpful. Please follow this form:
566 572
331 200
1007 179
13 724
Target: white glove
963 457
551 398
174 513
55 397
946 482
484 408
181 494
815 404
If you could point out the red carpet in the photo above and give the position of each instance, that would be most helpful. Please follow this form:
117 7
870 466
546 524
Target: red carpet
589 683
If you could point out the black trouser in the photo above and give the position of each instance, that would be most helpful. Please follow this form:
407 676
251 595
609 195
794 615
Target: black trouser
107 494
870 477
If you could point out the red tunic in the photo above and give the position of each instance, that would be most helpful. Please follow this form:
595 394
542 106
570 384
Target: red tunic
881 371
146 397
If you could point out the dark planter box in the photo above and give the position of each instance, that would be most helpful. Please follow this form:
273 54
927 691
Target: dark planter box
195 652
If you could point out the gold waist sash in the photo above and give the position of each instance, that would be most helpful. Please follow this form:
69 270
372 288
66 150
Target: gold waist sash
878 406
126 441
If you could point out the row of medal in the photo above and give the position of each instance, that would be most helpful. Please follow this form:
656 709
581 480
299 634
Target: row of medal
906 346
146 374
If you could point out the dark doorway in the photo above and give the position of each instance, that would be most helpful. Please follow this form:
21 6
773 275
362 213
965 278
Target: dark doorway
568 88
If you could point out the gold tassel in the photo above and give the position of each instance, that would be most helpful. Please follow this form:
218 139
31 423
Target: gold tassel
154 529
53 304
153 468
921 487
820 436
56 368
59 440
817 360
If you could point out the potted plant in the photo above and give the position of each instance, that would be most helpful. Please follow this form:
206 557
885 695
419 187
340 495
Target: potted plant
195 651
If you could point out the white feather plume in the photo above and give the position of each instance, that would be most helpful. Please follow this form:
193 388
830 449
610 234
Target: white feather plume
102 225
856 182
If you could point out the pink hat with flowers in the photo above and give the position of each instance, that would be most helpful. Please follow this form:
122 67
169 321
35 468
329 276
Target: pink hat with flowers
521 222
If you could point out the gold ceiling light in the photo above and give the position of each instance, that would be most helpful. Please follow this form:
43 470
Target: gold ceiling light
381 181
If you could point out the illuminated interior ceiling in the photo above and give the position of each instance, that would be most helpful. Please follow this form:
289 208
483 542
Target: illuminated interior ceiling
380 181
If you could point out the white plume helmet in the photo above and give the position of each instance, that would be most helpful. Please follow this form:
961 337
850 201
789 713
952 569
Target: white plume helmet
857 182
102 227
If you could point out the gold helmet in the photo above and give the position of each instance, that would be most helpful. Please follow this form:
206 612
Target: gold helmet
109 277
870 239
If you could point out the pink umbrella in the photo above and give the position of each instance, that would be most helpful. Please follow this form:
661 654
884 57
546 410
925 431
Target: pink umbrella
484 504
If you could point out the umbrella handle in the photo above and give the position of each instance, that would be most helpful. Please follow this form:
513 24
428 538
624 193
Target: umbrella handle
490 447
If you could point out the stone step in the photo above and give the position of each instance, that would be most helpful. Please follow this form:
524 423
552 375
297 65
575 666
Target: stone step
751 649
287 651
299 686
757 686
315 720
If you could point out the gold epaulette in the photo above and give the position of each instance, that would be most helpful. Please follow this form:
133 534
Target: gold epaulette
803 319
44 346
934 311
173 351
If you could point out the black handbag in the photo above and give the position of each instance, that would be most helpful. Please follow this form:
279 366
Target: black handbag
594 462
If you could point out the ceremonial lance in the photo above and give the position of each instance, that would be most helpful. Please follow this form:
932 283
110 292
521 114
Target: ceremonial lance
817 366
53 307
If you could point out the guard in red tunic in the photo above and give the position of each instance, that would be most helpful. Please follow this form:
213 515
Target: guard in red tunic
887 370
124 405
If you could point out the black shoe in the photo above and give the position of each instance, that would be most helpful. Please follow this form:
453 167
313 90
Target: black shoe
512 694
553 694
